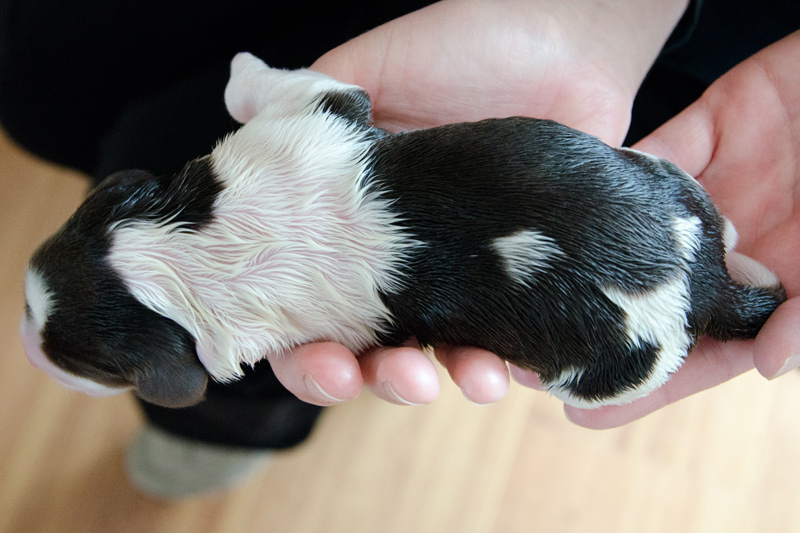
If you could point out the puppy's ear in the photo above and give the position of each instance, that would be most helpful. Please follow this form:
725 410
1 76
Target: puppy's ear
168 373
173 380
242 96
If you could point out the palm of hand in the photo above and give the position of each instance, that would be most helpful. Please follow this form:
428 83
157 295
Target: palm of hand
488 62
754 172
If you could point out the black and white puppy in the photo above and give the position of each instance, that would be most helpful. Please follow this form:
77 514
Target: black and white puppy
597 268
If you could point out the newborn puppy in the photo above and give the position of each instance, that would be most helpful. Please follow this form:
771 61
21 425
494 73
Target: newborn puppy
597 268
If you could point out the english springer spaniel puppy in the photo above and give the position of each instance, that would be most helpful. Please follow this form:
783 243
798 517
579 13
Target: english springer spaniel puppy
597 268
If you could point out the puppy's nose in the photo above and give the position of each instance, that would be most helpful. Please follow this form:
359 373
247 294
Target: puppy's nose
32 343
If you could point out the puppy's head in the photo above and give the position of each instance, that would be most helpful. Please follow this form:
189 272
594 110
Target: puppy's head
81 324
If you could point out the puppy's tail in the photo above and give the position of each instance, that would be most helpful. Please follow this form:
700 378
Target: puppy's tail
749 300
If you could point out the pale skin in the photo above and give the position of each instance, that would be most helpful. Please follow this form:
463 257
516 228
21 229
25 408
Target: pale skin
579 62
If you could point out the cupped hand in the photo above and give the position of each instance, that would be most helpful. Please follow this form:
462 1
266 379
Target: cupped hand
742 141
579 62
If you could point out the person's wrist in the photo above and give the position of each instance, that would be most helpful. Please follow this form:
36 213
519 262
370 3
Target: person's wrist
625 35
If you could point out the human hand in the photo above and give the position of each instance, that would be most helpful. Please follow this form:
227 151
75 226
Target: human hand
742 141
578 62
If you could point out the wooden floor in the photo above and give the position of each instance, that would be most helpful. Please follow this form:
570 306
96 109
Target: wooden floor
724 461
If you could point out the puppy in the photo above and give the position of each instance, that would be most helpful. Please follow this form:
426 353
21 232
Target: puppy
597 268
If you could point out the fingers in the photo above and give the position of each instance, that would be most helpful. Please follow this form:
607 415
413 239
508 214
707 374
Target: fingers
328 374
777 347
402 376
322 373
481 375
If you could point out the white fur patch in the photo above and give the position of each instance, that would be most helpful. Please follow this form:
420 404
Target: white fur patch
255 88
559 388
657 317
657 161
687 232
729 235
298 250
526 253
38 297
748 271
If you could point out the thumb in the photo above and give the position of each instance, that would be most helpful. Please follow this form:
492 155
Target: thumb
357 62
687 140
777 347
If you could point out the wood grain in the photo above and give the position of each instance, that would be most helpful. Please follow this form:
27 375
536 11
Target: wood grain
724 461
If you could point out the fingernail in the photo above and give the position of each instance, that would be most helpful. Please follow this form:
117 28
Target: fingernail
790 364
318 392
391 393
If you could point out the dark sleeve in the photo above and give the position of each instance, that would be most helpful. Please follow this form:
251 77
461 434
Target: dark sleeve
685 27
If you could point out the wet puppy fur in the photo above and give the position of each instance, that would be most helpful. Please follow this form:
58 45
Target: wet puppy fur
597 268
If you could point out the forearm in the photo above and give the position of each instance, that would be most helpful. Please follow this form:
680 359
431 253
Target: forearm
627 35
579 62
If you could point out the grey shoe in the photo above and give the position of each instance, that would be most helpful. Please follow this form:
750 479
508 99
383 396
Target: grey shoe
167 466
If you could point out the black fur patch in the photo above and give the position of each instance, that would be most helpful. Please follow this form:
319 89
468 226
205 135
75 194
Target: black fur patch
616 372
459 188
186 198
97 329
353 105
